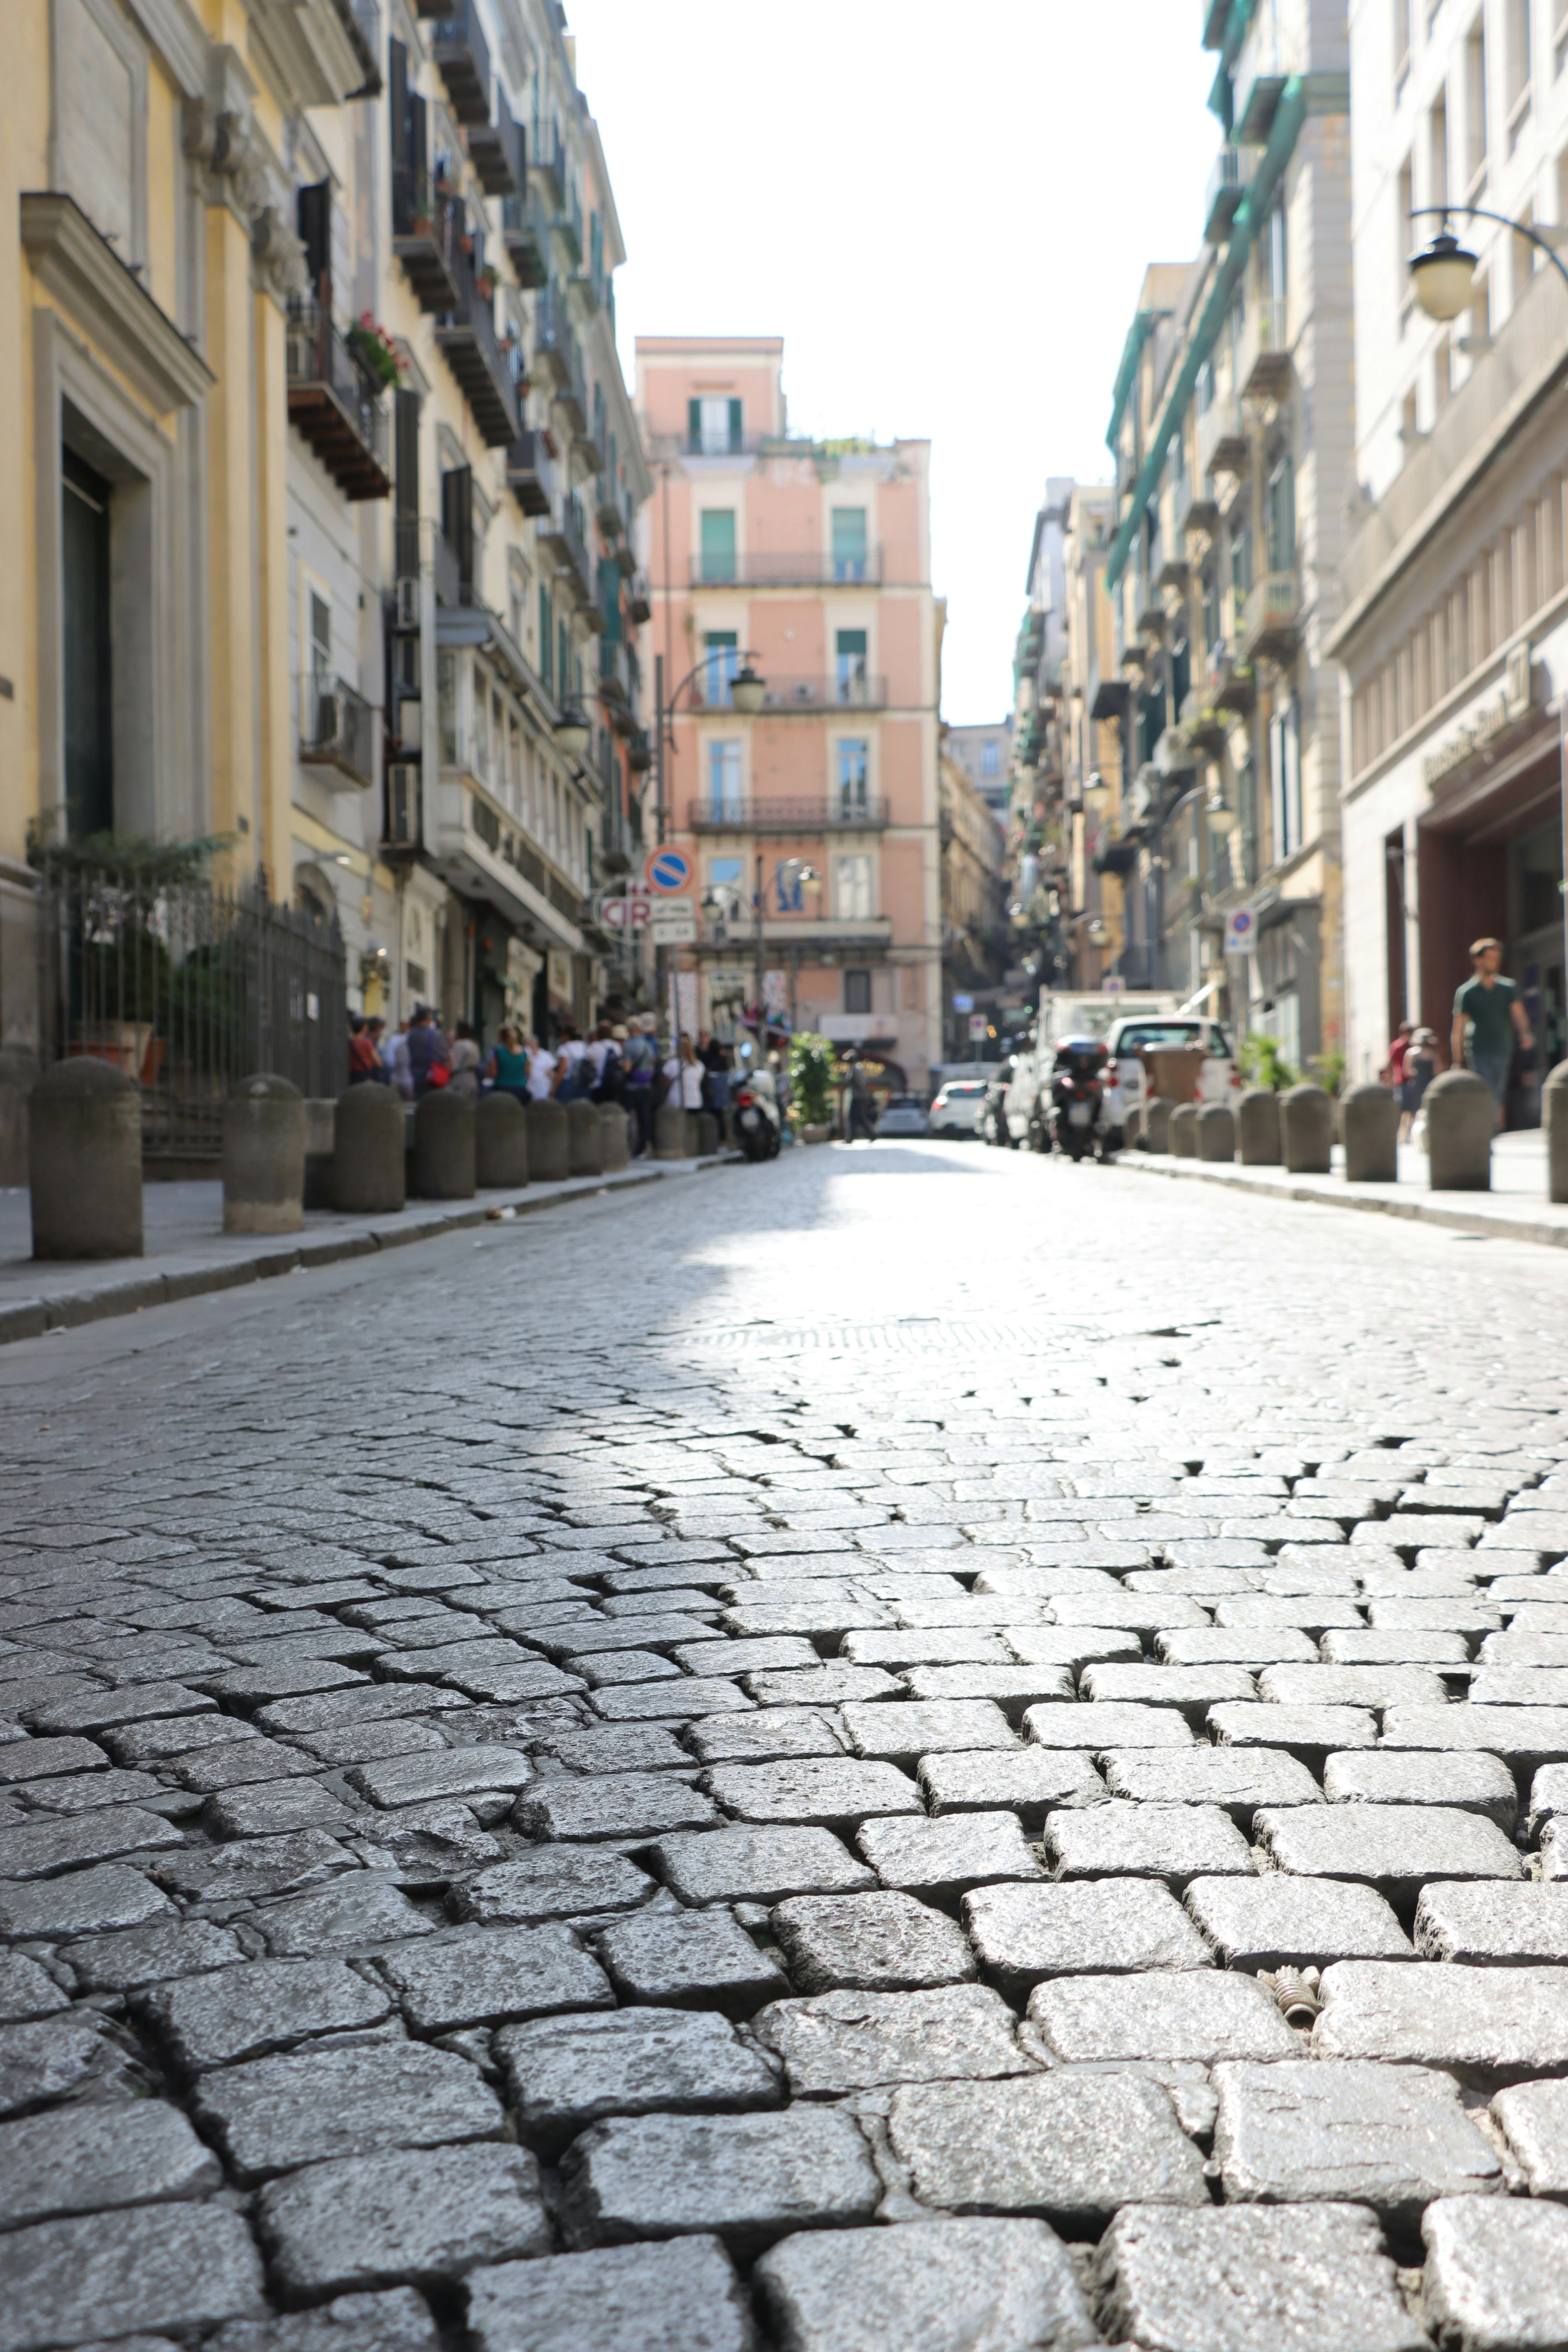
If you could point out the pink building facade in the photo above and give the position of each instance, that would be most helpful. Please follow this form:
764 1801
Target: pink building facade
810 561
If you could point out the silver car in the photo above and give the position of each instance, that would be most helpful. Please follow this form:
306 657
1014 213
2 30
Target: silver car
902 1115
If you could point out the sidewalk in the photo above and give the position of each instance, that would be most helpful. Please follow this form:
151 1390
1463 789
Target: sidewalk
187 1251
1516 1209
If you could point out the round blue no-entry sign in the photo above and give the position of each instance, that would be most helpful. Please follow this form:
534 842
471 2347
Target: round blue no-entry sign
669 870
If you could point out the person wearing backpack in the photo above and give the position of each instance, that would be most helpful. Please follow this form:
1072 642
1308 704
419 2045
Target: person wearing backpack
429 1056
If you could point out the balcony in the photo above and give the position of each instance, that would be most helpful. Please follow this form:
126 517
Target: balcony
402 819
547 166
529 475
1263 355
488 372
1203 725
1270 623
1255 115
461 55
842 813
1232 685
555 354
640 598
523 234
1227 186
786 696
639 752
427 230
564 542
791 568
334 405
1222 439
453 588
614 671
337 727
496 152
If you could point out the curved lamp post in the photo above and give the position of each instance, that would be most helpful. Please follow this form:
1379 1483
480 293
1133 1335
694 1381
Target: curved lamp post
1444 272
748 692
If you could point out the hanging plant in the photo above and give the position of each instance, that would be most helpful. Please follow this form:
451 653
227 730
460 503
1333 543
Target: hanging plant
376 351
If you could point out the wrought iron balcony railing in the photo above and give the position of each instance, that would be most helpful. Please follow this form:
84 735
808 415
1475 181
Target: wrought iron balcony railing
337 727
334 402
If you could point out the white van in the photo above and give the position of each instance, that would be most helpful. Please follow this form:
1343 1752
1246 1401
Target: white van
1064 1015
1219 1075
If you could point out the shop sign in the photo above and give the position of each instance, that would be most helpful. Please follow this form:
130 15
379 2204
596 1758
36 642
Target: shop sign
1513 703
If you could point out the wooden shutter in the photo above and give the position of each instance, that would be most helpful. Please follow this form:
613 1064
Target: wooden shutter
313 212
458 520
736 433
694 425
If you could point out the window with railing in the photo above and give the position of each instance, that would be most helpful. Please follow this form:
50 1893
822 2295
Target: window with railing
854 774
716 529
724 778
849 646
849 542
714 428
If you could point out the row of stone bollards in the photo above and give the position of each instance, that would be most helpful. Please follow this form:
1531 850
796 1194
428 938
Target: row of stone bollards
1296 1130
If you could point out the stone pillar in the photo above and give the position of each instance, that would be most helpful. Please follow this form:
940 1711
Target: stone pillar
369 1156
321 1134
547 1152
670 1132
84 1161
618 1148
1216 1132
1258 1126
443 1148
1306 1129
1461 1119
692 1143
1554 1120
1183 1132
1157 1123
585 1139
1369 1122
707 1134
264 1157
500 1141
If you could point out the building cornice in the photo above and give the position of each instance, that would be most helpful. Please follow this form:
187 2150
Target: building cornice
108 302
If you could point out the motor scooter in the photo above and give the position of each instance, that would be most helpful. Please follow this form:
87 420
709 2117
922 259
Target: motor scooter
1077 1113
755 1108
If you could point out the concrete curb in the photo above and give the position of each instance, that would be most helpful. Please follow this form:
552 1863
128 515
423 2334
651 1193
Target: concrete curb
1502 1223
34 1317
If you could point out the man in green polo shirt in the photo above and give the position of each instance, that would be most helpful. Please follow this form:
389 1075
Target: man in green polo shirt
1488 1020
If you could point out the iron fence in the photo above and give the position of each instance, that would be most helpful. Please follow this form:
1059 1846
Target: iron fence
188 987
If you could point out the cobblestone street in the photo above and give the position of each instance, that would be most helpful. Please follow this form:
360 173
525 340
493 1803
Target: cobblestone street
912 1751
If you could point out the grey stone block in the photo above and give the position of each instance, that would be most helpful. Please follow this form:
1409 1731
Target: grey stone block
1404 1646
619 1805
446 1772
89 2158
144 1955
274 1806
252 1868
1548 1797
1010 1688
70 2056
829 1794
942 1858
1191 1690
874 1943
1236 1781
176 2266
1068 2147
685 1959
398 2320
831 1685
1493 2277
1492 1925
913 1728
84 1792
1099 1727
929 1646
1341 2131
1310 1612
620 1748
565 2073
840 2042
485 1974
1026 1934
1069 1646
1524 1737
1250 2279
1488 2026
1310 1733
1395 1848
681 1700
27 1992
1252 1646
758 1866
38 1759
1469 1783
359 1914
43 1848
681 2297
1175 1842
276 2114
553 1882
749 2179
421 2215
1533 2117
775 1732
1268 1922
231 2013
1195 2014
1374 1687
940 2287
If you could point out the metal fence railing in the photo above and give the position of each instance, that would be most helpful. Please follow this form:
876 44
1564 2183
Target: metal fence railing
187 987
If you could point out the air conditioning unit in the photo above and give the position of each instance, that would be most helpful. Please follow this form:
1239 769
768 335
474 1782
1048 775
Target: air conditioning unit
408 603
329 722
403 803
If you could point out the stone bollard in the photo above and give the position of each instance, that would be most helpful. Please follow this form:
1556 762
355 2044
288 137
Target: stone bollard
1554 1120
707 1134
370 1168
321 1136
1306 1129
585 1139
1369 1122
670 1132
1157 1123
443 1148
693 1141
500 1142
1461 1119
264 1157
548 1158
616 1132
1216 1132
1183 1131
84 1161
1258 1126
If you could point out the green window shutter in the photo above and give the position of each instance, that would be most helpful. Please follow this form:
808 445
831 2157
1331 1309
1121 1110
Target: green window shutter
563 658
852 641
694 425
849 542
736 435
610 596
546 641
717 544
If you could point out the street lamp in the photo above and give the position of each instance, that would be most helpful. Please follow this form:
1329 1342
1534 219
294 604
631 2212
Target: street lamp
748 691
1443 271
572 731
1097 792
1219 815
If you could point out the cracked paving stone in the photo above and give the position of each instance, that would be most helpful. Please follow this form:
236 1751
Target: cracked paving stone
144 1955
45 1849
1239 1782
1472 1783
273 2114
254 1866
1492 1925
1099 1725
838 2042
1533 2119
418 2216
213 2019
428 1845
557 1883
1270 1922
944 2286
1342 2131
397 2320
27 1991
70 2056
758 1866
1023 1935
689 1959
615 1805
1395 1848
942 1858
89 2159
1030 1781
351 1710
827 1794
1493 2276
1069 2148
879 1942
1489 2026
1252 2279
771 1735
83 1903
356 1913
446 1772
566 2073
620 1748
1196 2014
84 1792
748 2178
1125 1840
38 1759
181 2266
482 1974
138 1703
679 2297
273 1808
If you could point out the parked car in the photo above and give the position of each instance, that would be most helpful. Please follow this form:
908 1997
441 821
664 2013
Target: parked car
1218 1077
957 1107
903 1115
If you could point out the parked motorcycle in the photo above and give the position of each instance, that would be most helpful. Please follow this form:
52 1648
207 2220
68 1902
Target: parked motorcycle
1078 1122
754 1111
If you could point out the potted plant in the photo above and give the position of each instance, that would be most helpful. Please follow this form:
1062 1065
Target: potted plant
376 351
811 1067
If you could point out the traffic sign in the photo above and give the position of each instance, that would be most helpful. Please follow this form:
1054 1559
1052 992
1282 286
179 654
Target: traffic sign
628 914
978 1028
674 924
1112 984
668 870
1241 931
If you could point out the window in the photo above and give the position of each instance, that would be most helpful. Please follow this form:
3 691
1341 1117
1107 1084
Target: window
713 428
1400 41
718 542
1240 565
719 671
1285 781
857 991
546 641
850 647
853 768
724 778
1437 160
990 759
724 873
1475 106
1517 21
1405 231
1282 516
849 542
321 637
852 890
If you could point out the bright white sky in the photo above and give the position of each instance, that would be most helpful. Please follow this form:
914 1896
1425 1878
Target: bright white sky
946 212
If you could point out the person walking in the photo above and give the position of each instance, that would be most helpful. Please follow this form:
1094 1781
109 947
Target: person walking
714 1055
429 1056
541 1071
1489 1020
364 1062
507 1066
464 1062
1393 1067
684 1074
1418 1067
862 1118
574 1068
395 1061
640 1057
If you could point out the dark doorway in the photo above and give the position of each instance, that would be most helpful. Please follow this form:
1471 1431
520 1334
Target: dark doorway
1394 889
87 695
